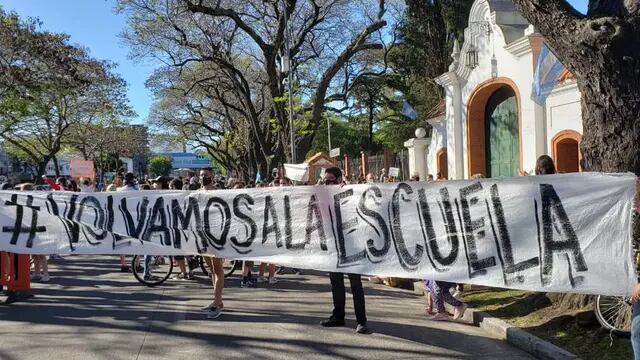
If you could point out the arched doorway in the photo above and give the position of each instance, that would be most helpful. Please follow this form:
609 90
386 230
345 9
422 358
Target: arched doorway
501 133
566 151
443 165
493 129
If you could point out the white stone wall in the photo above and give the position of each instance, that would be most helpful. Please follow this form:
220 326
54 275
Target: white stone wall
438 141
514 61
563 111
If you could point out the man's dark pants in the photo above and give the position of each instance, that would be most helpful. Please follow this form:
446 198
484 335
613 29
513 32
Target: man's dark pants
338 291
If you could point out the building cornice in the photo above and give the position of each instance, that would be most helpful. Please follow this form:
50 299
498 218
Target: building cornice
519 47
565 86
448 78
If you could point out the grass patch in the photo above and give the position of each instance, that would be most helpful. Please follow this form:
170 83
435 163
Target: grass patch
534 313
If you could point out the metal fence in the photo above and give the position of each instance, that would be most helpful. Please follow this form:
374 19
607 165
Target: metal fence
376 163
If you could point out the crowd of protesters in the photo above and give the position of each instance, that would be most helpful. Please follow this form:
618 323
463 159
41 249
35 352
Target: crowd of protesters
438 293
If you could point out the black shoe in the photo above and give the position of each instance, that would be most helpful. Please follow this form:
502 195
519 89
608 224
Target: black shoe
362 329
332 322
125 269
15 296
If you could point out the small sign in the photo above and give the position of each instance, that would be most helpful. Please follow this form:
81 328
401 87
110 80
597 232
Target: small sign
334 153
82 168
394 172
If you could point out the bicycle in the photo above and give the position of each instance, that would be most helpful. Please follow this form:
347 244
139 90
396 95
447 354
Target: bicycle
160 268
614 313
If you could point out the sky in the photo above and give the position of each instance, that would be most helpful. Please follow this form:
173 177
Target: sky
93 24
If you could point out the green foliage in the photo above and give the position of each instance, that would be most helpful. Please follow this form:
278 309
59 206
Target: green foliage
455 14
393 133
50 88
426 35
160 166
348 134
422 54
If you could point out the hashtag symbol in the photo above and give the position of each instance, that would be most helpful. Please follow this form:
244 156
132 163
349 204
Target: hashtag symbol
19 227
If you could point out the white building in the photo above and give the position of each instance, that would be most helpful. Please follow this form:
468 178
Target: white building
488 123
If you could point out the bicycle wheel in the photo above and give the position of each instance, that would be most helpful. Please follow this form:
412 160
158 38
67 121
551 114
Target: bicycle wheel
160 268
614 313
230 266
198 262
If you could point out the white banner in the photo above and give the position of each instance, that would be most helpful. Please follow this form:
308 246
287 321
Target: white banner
561 233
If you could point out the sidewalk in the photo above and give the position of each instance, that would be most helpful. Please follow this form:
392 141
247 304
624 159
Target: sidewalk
91 311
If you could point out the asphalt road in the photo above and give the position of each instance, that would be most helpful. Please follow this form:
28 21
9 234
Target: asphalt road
89 311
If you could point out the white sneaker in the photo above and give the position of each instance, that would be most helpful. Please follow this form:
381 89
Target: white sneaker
45 278
273 281
459 311
262 279
441 317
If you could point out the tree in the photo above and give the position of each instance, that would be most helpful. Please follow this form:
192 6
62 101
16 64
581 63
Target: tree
422 54
159 166
46 87
346 134
245 41
106 141
200 107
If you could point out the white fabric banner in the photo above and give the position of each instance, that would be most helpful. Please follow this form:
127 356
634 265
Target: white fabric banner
561 233
297 172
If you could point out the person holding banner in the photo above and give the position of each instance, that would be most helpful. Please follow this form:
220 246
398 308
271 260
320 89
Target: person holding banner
116 183
635 292
333 176
14 270
215 264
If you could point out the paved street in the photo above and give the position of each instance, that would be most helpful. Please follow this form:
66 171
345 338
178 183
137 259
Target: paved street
91 311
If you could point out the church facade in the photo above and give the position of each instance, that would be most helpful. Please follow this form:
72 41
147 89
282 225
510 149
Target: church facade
488 123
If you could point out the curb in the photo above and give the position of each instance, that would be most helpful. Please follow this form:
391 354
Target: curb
512 334
517 337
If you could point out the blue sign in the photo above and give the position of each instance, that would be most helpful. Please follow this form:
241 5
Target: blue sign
188 161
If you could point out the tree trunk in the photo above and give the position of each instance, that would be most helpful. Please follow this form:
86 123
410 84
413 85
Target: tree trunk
55 165
42 169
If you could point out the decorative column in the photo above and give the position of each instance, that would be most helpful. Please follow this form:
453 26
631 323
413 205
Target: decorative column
364 161
454 116
417 148
347 167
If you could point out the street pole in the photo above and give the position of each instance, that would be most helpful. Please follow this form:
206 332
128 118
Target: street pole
329 132
290 85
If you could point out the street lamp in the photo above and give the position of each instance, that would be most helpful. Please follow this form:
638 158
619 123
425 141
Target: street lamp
472 57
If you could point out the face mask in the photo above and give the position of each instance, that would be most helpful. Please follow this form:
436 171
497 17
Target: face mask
206 180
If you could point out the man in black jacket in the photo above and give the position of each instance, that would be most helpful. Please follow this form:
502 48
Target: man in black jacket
333 176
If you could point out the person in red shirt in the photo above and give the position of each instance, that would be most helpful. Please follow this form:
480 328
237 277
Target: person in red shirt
61 184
